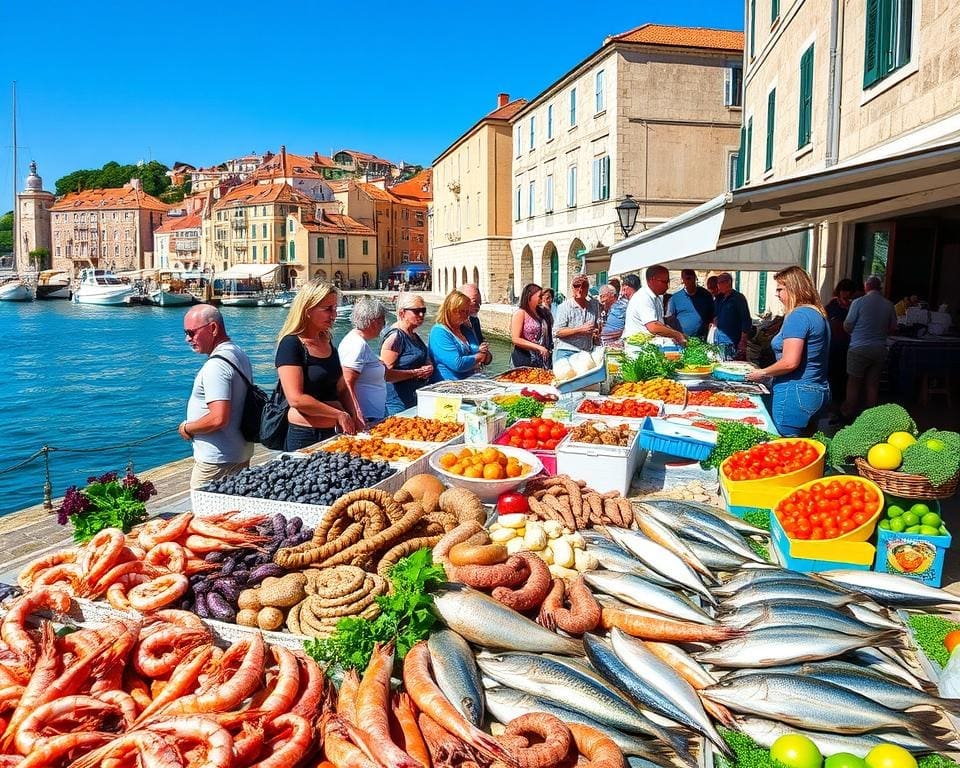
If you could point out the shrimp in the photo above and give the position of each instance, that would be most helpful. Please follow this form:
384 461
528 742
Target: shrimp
66 576
410 737
372 699
203 527
13 631
214 742
9 699
35 567
161 591
312 687
445 749
102 554
94 590
430 700
137 687
53 750
286 684
291 739
159 652
159 529
71 713
601 751
204 544
347 696
117 592
182 680
175 616
169 555
42 679
236 675
151 748
337 746
129 709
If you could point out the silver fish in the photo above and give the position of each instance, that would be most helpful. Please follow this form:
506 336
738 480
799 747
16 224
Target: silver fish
455 670
661 560
635 591
664 678
868 615
705 511
816 705
482 620
613 558
896 670
692 523
777 645
788 590
656 531
765 732
889 589
799 612
717 558
749 577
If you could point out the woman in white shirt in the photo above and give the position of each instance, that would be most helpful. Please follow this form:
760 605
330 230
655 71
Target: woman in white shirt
362 369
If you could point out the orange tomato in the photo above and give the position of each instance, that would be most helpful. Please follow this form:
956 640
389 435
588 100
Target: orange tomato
952 640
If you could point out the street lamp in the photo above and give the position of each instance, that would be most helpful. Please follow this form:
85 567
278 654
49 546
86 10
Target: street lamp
627 212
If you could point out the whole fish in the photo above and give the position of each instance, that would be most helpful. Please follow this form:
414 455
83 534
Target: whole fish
799 612
717 558
691 523
612 558
765 732
661 560
456 673
889 589
748 577
637 592
813 704
766 591
506 704
656 531
868 615
778 645
873 659
877 686
484 621
716 513
666 680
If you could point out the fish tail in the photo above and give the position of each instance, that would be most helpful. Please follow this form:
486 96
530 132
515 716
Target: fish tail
891 638
924 725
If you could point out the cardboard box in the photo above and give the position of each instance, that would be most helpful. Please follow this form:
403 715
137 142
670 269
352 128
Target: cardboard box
913 555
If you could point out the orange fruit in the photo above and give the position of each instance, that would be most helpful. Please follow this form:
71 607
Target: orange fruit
490 455
493 472
952 640
466 453
448 460
502 460
456 469
513 470
473 472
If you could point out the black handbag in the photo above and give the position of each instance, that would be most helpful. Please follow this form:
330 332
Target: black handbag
254 403
273 420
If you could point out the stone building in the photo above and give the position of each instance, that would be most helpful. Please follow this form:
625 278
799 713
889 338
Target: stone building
177 243
331 246
33 224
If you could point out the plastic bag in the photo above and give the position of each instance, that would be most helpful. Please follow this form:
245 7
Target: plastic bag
949 684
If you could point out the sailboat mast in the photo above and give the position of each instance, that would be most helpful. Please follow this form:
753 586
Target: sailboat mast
16 212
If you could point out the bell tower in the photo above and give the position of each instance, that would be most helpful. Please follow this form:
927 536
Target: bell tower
34 225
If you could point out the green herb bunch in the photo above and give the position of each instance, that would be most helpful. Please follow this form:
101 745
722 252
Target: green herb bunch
524 408
405 616
106 502
733 436
697 353
648 363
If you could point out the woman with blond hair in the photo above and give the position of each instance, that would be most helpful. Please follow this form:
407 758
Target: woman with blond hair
801 390
404 354
310 372
453 347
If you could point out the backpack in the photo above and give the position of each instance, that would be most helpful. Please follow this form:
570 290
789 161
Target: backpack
273 417
253 406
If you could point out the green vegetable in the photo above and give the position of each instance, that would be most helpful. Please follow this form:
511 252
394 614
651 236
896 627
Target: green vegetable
929 632
796 751
938 466
935 761
758 517
872 426
698 352
649 363
524 408
733 436
405 616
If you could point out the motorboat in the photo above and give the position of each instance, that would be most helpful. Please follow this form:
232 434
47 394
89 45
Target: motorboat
276 299
240 292
170 290
14 289
53 284
101 287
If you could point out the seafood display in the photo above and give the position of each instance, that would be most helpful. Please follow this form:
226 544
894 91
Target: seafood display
527 376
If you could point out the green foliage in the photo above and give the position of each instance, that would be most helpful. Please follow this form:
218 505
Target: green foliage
649 363
113 175
524 408
697 352
107 501
40 257
937 466
405 616
733 436
872 426
6 232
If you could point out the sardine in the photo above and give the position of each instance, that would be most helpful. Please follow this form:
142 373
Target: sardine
798 613
635 591
482 620
663 678
694 509
873 659
693 523
717 558
661 560
767 591
868 615
889 589
748 577
813 704
778 645
765 732
612 558
455 670
656 531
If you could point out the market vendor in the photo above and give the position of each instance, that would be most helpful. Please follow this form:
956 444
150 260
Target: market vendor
645 310
576 321
801 391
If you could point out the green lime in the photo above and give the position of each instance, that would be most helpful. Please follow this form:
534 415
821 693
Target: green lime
931 518
897 525
796 751
894 511
844 760
913 529
885 524
929 530
910 518
920 508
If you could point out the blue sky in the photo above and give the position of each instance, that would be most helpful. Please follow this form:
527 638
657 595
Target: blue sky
201 82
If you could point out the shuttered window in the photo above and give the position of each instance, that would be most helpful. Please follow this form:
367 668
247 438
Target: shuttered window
753 28
805 109
741 155
774 10
748 150
887 38
771 121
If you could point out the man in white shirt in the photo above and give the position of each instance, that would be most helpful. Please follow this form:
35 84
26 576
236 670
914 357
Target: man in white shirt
645 310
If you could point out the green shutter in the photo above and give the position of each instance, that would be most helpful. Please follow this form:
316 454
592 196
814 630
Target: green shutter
771 118
753 27
746 161
774 10
762 294
319 249
872 51
743 139
805 111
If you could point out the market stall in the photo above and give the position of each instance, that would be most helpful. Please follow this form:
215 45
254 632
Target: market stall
582 568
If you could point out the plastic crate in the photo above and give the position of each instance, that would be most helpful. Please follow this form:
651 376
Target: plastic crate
913 555
674 439
813 556
547 458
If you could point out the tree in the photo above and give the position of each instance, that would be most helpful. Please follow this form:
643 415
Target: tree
6 232
112 175
40 258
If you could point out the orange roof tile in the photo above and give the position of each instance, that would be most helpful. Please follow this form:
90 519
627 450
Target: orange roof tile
340 186
374 192
420 187
176 223
121 197
335 224
323 161
366 157
685 37
286 165
251 193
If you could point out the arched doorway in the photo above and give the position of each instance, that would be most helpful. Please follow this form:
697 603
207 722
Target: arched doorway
463 276
551 268
454 276
476 276
446 280
320 275
577 249
526 268
365 280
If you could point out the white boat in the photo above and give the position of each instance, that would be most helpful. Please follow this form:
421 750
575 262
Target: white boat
53 284
165 298
241 300
276 299
102 287
15 290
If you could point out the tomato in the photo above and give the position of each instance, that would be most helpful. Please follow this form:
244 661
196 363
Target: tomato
796 751
558 433
511 502
551 445
889 756
543 432
530 444
536 422
952 640
516 441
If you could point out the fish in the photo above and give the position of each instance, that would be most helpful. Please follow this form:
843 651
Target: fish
456 673
663 678
788 590
880 662
778 645
765 732
693 523
661 560
888 589
656 531
506 704
813 704
717 558
799 612
613 558
636 592
869 616
648 625
697 510
480 619
750 576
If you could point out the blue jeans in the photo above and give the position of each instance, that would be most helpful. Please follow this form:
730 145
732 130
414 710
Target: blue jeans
563 354
300 437
796 404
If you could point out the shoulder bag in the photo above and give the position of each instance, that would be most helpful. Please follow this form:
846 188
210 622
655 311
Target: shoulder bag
253 404
273 419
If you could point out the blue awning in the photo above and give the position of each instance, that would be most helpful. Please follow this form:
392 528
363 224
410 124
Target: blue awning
409 269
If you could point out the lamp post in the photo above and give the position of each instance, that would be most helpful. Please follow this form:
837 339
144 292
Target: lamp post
627 212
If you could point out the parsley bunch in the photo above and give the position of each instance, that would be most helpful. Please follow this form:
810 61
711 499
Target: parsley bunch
405 616
106 502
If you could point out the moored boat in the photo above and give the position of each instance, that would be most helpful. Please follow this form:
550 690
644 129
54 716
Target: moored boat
167 298
53 284
101 287
15 289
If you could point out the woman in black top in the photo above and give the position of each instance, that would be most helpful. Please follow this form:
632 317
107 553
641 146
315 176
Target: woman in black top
310 371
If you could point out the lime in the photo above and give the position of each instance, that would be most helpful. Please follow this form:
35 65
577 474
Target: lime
910 518
913 529
890 756
844 760
931 518
884 456
943 530
885 524
929 530
901 439
935 445
897 525
920 508
796 751
894 511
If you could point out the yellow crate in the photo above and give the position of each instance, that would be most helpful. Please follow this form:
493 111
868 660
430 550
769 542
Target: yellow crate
860 533
766 492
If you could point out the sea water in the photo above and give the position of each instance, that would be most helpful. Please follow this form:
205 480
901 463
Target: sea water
81 379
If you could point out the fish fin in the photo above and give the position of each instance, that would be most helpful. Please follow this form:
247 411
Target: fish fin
951 706
924 725
891 638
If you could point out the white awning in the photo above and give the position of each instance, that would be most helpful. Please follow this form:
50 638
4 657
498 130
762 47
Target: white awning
243 271
719 231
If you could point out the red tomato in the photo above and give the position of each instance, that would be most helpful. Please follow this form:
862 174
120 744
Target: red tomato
551 444
543 432
558 432
511 502
530 444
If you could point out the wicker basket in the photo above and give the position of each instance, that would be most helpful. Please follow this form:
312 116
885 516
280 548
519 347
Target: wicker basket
913 487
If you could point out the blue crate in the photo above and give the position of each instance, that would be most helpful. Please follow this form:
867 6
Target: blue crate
676 439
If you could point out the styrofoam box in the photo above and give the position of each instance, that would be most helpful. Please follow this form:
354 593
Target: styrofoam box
603 467
485 389
578 416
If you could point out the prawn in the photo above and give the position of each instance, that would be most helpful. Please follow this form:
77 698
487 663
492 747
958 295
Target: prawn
372 710
214 742
312 687
151 748
347 696
13 630
176 617
117 592
291 739
35 567
124 702
601 751
71 713
236 675
53 750
445 749
158 592
169 555
94 590
243 537
66 576
102 553
42 679
183 679
337 746
159 652
410 737
161 529
286 684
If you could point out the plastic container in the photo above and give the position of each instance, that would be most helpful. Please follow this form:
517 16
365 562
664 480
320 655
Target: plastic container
488 490
603 467
766 492
635 423
547 458
813 556
860 533
675 439
913 555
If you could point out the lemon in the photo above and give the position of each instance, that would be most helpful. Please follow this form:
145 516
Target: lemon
901 440
884 456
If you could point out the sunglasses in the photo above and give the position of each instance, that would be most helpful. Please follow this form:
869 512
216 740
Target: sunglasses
191 332
416 310
581 285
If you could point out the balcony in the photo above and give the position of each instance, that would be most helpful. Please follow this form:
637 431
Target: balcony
188 244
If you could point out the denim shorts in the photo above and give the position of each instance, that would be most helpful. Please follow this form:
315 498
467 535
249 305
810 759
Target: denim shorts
300 437
796 404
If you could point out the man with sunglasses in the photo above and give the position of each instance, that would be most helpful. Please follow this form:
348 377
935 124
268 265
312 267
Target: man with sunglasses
215 407
472 292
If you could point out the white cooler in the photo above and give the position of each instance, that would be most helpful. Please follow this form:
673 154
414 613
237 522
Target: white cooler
603 467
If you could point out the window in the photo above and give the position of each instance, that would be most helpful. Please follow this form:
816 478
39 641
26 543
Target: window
887 40
572 186
749 145
599 95
601 178
266 253
253 231
293 251
254 253
341 248
516 204
771 119
516 141
320 249
733 170
533 128
573 107
774 11
805 110
264 230
733 86
366 247
419 218
548 195
753 28
283 230
532 198
292 226
549 122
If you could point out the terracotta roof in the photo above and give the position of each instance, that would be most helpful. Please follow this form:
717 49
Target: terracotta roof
323 161
286 165
335 224
685 37
176 223
365 157
374 192
507 111
251 193
122 197
340 186
419 188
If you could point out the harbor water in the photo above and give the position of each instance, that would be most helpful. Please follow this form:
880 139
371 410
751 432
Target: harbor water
82 378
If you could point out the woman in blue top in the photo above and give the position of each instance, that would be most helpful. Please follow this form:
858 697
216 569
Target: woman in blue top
801 391
453 347
404 354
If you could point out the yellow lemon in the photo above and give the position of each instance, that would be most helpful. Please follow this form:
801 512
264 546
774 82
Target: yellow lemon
901 440
884 456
